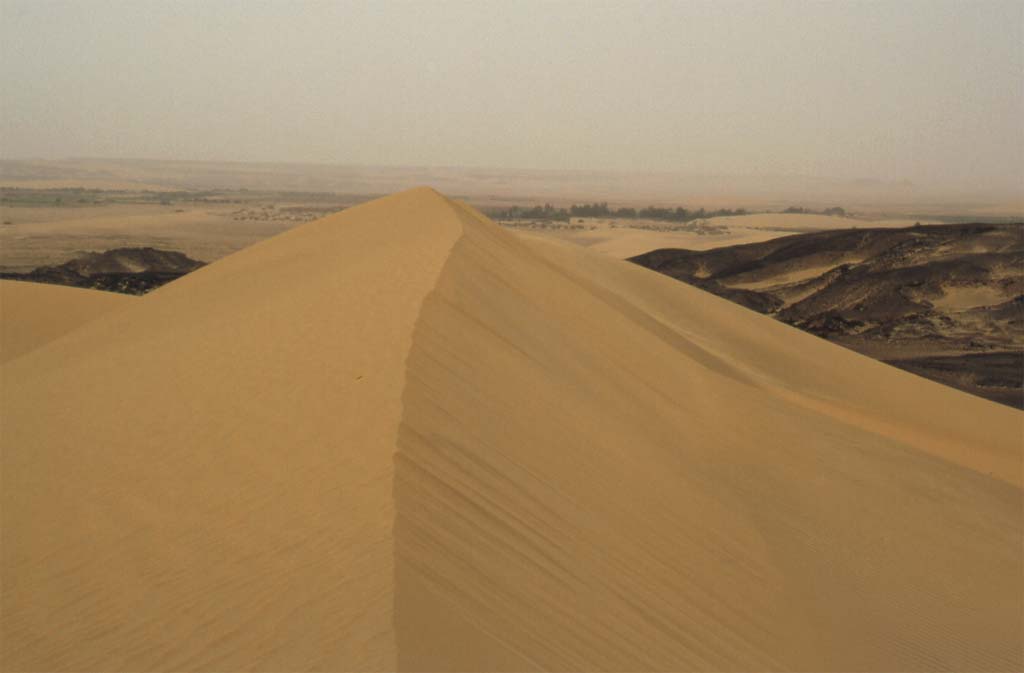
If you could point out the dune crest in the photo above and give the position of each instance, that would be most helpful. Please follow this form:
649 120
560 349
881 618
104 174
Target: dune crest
402 438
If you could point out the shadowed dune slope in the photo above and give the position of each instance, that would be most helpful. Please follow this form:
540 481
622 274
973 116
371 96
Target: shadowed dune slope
32 314
401 437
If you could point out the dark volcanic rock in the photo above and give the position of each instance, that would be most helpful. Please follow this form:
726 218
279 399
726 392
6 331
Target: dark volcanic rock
992 375
942 291
756 301
130 260
125 270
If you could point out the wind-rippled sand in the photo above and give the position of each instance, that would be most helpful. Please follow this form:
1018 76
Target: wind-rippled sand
403 438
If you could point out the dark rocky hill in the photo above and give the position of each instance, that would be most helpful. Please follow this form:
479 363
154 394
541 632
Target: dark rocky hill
126 270
945 301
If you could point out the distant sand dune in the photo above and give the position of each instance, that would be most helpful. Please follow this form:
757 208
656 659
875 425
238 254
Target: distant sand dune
403 438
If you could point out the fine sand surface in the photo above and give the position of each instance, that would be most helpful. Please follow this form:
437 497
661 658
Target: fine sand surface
33 314
402 437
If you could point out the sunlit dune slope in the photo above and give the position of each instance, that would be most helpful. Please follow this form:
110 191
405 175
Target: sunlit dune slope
204 480
32 314
401 437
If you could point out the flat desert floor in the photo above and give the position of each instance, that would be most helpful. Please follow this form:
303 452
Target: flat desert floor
208 227
623 238
38 236
212 209
496 186
403 438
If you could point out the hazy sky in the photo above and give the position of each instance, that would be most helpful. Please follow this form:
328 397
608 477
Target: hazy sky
928 91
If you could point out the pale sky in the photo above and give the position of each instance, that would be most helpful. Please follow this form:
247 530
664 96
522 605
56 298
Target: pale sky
930 91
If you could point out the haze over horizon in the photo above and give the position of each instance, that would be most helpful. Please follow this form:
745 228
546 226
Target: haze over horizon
929 92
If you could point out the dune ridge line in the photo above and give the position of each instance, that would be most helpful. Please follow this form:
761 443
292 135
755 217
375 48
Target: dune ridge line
402 438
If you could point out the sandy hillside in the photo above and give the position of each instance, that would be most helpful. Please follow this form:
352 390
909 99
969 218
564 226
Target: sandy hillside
33 314
401 437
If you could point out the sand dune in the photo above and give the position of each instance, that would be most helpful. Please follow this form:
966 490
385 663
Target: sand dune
401 437
32 314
